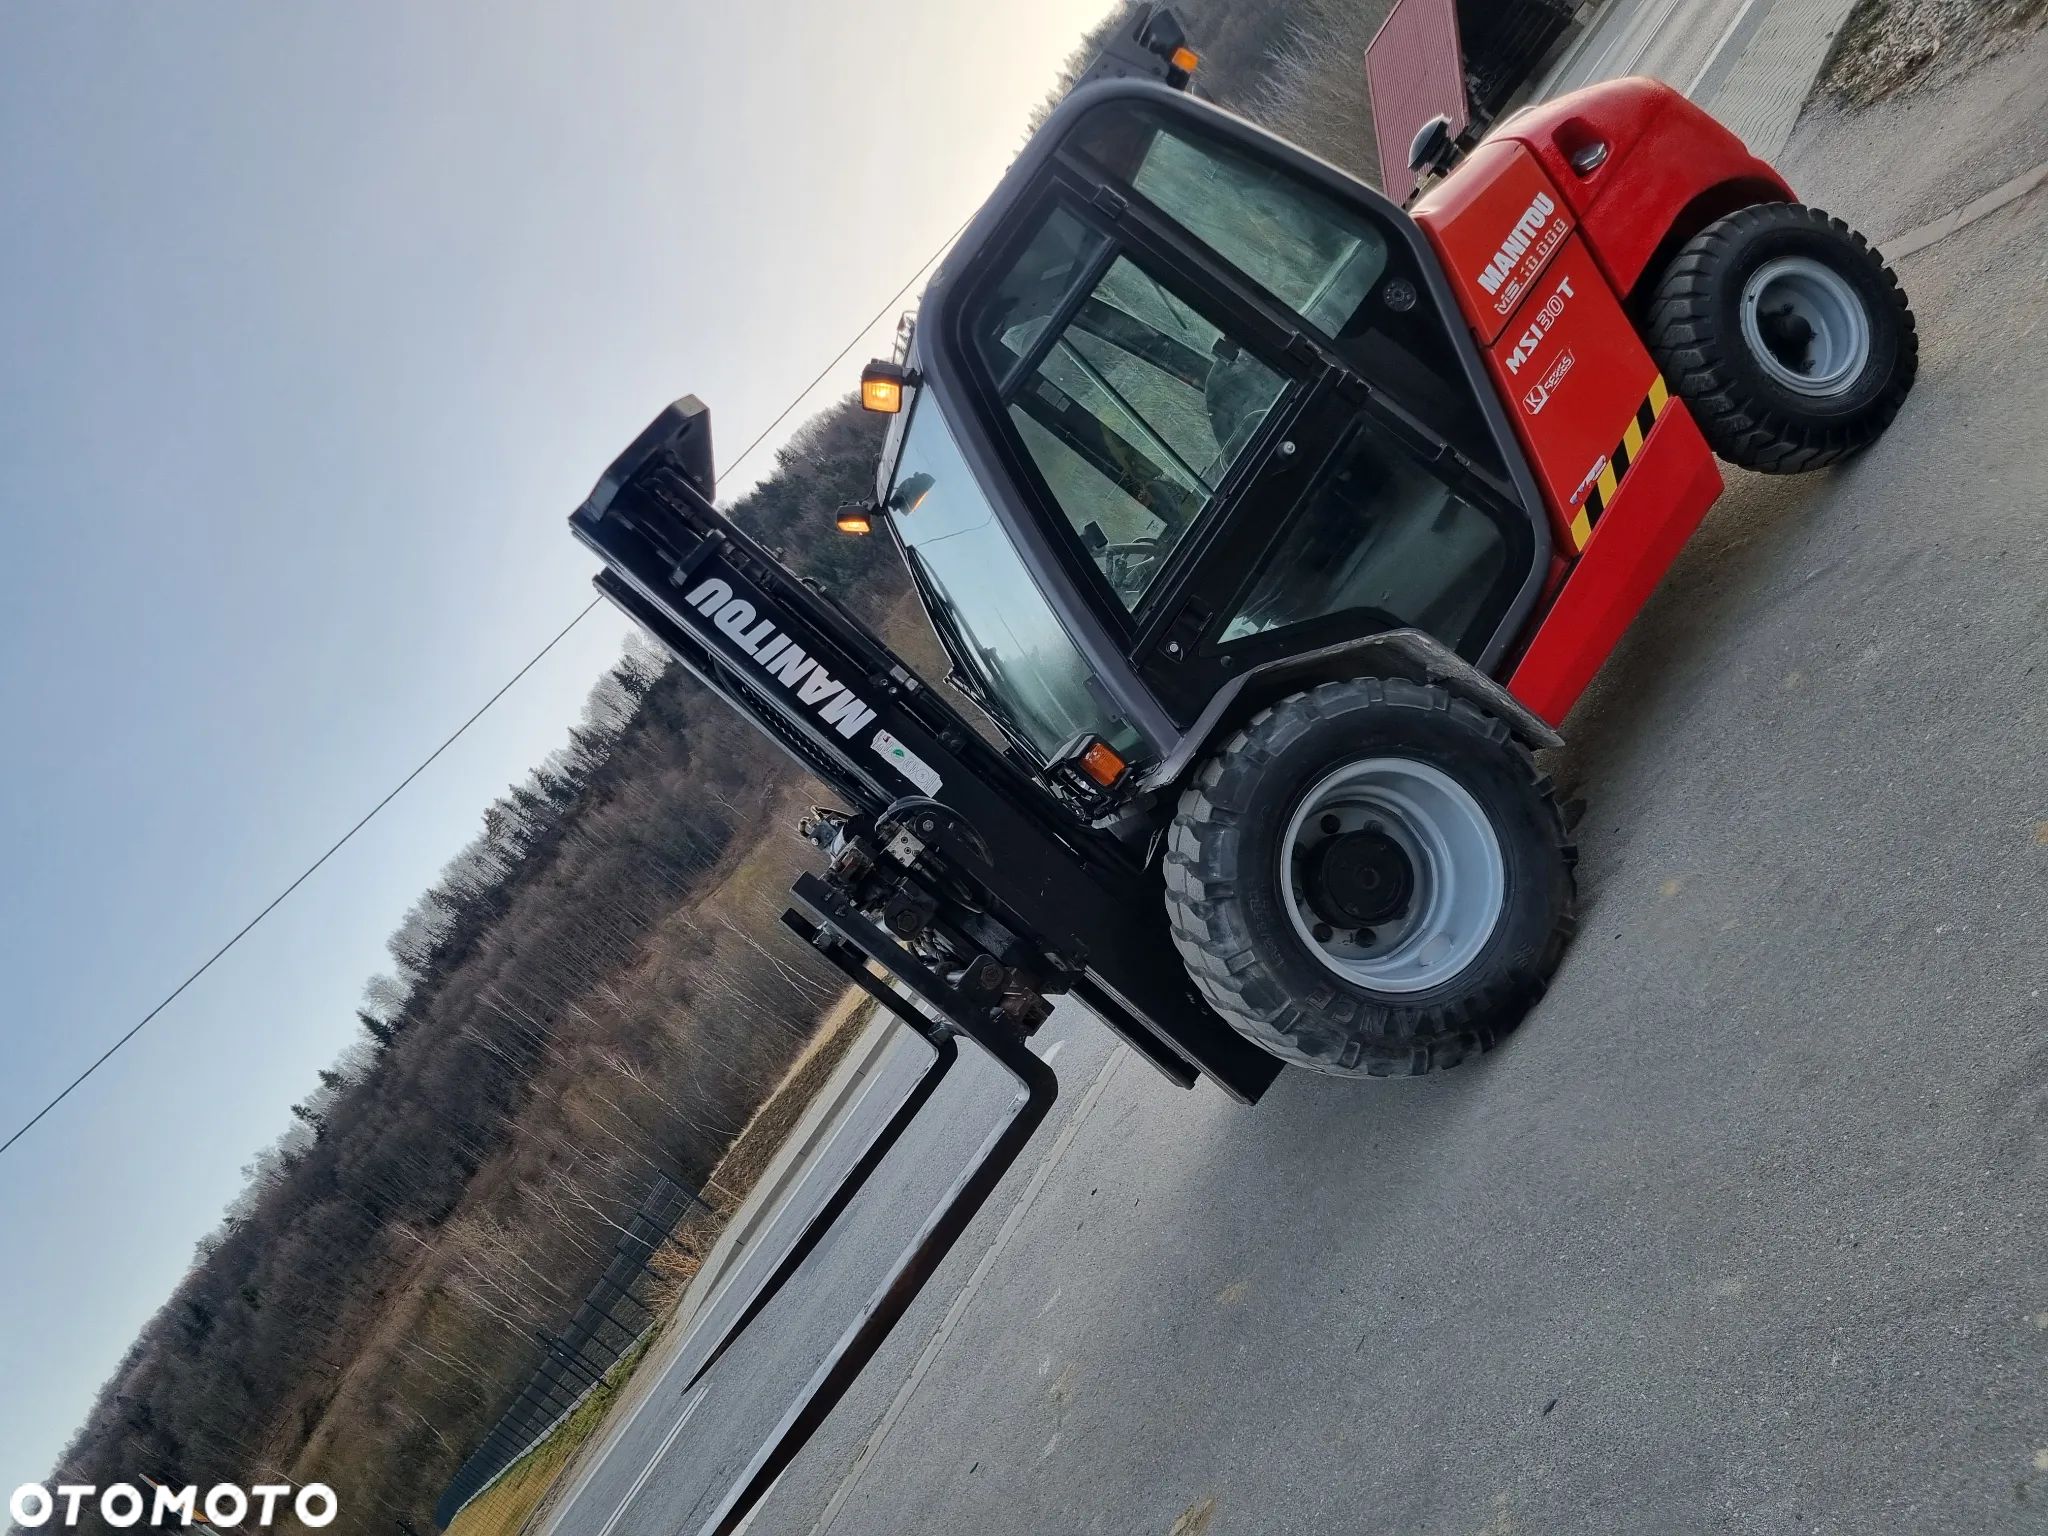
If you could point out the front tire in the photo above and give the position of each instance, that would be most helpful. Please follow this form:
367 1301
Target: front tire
1370 879
1787 335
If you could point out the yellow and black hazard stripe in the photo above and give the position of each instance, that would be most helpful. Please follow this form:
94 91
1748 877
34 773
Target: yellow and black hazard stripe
1601 496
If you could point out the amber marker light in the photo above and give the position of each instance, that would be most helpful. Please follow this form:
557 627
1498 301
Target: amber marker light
881 388
1101 763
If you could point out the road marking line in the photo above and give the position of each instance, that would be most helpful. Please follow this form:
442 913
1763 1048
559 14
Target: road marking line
653 1461
966 1297
1650 36
1913 241
747 1252
1725 48
750 1247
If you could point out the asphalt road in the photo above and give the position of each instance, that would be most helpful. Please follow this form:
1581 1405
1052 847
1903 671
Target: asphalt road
1669 40
1743 1230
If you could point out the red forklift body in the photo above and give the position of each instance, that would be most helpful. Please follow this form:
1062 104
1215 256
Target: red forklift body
1544 231
1657 169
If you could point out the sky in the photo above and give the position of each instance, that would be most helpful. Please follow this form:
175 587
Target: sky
315 323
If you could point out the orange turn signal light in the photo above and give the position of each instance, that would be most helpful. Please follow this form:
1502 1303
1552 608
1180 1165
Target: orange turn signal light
881 388
1185 59
1101 763
855 520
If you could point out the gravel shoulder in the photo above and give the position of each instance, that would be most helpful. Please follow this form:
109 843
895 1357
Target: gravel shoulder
1890 46
1926 149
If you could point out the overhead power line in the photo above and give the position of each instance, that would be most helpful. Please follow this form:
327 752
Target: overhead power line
278 900
454 736
840 357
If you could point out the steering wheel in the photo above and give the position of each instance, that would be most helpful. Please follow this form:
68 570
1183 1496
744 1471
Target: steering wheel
1129 565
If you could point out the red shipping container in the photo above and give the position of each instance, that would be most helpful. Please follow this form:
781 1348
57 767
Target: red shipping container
1414 70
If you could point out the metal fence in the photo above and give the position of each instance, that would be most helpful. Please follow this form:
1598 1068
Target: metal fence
574 1360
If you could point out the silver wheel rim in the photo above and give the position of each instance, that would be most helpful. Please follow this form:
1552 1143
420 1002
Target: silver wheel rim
1805 326
1459 878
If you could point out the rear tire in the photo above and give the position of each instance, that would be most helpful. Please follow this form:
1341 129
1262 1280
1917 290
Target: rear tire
1371 879
1787 335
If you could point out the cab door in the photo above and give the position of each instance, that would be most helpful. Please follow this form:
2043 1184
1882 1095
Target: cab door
1379 488
1136 398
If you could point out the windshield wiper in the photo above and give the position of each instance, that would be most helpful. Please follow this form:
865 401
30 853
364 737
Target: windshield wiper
955 643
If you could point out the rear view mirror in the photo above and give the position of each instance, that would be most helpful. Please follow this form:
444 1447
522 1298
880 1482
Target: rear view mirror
1433 148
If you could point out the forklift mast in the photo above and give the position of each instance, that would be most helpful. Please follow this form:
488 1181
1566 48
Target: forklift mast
929 810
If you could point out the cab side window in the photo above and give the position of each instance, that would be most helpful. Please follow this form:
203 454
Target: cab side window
1130 402
1316 257
1331 264
1382 540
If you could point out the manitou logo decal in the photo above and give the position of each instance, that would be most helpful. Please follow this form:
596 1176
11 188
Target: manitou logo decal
775 654
1539 327
1535 235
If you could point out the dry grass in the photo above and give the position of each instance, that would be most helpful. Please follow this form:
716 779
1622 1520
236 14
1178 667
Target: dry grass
379 1411
505 1507
755 1147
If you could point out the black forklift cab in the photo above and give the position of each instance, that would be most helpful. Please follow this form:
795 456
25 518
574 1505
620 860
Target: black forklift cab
1185 412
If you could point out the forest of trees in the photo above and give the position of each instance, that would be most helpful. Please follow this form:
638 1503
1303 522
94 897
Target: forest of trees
1295 66
594 991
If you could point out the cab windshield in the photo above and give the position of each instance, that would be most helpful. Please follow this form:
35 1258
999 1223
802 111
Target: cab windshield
1015 656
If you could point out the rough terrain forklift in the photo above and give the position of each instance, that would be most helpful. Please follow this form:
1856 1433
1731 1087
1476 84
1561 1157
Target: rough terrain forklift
1273 528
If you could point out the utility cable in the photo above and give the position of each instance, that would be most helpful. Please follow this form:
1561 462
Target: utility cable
456 735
